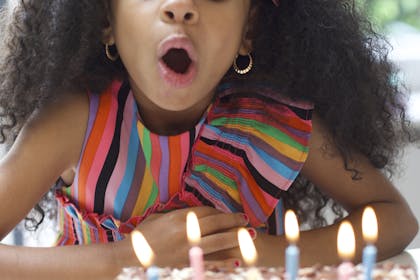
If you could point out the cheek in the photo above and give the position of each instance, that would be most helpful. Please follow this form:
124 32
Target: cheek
131 40
232 32
128 28
229 43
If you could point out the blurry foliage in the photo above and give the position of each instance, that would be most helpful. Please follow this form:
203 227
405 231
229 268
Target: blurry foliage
384 12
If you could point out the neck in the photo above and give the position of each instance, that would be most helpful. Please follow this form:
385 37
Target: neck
166 122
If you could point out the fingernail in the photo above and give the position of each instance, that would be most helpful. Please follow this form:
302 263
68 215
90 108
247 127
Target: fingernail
252 232
237 263
245 217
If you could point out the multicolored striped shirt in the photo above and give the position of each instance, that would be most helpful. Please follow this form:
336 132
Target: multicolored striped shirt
244 152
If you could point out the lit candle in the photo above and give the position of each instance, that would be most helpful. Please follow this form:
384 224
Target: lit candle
195 253
145 254
370 235
346 245
292 251
249 254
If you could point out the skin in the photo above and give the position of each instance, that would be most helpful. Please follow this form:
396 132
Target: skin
66 120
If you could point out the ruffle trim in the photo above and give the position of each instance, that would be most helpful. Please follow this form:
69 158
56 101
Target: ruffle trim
82 227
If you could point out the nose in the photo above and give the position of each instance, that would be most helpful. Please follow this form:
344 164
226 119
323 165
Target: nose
179 11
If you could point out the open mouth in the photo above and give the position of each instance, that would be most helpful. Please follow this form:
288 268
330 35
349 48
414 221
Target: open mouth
178 66
177 60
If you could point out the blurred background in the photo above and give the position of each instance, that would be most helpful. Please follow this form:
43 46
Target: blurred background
399 21
386 12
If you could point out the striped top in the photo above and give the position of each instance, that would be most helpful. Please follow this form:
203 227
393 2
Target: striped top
245 151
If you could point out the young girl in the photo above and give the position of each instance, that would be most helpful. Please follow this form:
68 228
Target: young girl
141 109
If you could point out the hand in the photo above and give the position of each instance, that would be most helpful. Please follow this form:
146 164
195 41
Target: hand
166 233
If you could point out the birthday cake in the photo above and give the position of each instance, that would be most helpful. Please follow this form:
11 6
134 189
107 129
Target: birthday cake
389 271
345 271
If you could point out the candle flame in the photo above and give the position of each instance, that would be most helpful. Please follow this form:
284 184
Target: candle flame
193 228
142 249
247 247
346 243
369 225
291 227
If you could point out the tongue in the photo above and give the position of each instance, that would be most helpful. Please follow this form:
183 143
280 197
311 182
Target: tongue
177 60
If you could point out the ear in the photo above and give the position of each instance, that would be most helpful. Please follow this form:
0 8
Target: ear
107 31
246 45
108 36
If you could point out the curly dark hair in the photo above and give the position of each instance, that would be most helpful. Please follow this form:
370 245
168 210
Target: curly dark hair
323 51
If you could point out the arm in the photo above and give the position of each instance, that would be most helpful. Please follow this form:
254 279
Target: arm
98 261
47 146
397 224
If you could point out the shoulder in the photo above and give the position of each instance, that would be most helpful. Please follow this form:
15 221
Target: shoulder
70 107
265 104
269 131
63 115
269 94
56 129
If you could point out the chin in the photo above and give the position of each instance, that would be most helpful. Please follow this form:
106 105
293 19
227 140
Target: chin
175 107
178 100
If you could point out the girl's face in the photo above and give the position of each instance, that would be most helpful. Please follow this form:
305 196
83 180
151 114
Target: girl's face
176 51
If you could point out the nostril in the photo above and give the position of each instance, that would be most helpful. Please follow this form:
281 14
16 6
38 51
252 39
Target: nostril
188 16
170 14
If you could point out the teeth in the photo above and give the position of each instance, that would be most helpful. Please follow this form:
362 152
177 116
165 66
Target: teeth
177 60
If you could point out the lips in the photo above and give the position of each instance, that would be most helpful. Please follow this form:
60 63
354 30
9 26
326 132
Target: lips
177 61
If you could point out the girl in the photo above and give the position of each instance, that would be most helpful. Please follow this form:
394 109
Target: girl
142 109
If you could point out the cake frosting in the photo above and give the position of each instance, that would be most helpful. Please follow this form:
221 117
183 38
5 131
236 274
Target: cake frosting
389 271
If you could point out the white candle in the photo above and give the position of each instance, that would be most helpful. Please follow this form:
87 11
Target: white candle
145 254
195 253
249 254
292 251
346 245
370 235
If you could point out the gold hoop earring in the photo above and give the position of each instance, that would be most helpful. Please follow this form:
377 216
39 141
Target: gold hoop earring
109 55
245 70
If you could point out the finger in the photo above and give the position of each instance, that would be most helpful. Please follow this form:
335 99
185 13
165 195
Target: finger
234 253
223 241
221 222
219 242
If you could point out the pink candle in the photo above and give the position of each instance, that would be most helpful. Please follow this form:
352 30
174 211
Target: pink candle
346 246
197 263
345 271
195 253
